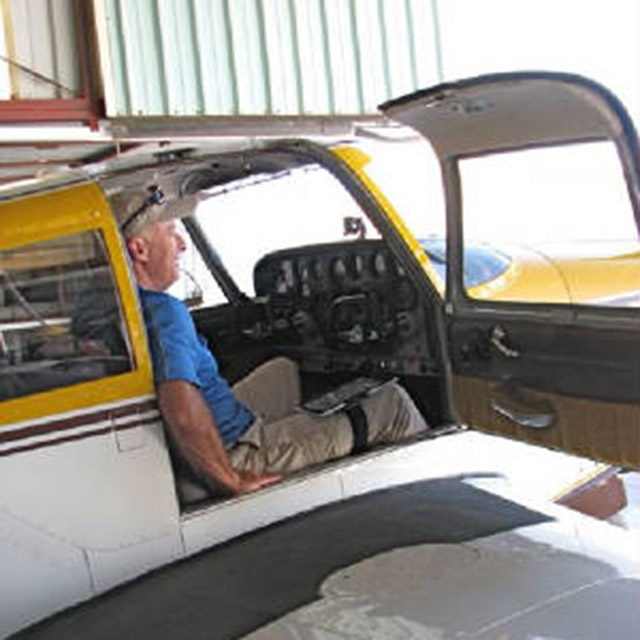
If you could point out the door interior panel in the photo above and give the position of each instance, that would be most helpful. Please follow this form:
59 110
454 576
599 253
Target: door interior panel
571 360
569 387
602 430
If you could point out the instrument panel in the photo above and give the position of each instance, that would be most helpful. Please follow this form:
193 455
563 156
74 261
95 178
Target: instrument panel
346 306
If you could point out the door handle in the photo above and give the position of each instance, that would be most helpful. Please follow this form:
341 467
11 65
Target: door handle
498 340
524 418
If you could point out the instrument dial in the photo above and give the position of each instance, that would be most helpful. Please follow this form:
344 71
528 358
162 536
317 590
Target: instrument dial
380 264
338 269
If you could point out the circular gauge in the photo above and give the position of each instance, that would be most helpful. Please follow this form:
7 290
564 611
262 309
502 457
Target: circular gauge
380 264
338 268
358 266
305 277
316 269
404 296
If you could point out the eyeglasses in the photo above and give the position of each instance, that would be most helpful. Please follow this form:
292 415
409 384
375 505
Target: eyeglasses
156 196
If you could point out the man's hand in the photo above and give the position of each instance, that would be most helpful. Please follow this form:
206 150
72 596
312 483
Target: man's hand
195 431
250 482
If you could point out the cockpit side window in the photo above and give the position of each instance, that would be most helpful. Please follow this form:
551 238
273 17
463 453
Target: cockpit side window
196 286
61 321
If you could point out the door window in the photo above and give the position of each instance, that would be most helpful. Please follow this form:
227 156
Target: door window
60 318
558 219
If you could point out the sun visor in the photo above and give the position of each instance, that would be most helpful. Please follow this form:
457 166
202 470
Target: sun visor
139 207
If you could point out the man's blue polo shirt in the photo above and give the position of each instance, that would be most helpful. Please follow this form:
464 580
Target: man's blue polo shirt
178 352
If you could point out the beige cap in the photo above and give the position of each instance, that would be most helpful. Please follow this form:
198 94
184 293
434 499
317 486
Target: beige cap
136 209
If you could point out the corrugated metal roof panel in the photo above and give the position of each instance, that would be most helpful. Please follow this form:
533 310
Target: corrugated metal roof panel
265 57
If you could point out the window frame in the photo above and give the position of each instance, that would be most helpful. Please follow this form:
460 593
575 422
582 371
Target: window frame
468 296
87 107
63 212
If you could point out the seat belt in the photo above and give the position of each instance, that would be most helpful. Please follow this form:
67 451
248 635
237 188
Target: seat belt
360 427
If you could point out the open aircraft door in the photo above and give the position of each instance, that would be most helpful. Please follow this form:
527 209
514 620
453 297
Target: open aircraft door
562 373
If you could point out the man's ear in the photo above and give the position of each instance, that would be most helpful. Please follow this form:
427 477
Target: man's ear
138 249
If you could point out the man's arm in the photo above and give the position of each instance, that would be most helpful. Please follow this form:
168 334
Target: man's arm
191 422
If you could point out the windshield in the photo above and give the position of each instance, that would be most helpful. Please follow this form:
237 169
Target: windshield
297 208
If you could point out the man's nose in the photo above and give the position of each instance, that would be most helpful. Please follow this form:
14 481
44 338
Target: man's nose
182 245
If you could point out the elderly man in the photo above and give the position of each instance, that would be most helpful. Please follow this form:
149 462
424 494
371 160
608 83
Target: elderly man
243 438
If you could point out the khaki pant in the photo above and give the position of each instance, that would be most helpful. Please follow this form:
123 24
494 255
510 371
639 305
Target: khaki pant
284 438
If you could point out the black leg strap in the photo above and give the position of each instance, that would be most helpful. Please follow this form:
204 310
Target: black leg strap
360 426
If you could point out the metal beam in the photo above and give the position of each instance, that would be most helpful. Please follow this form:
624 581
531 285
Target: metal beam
152 127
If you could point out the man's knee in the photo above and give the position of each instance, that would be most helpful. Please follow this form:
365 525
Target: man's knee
279 365
272 389
392 415
287 369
